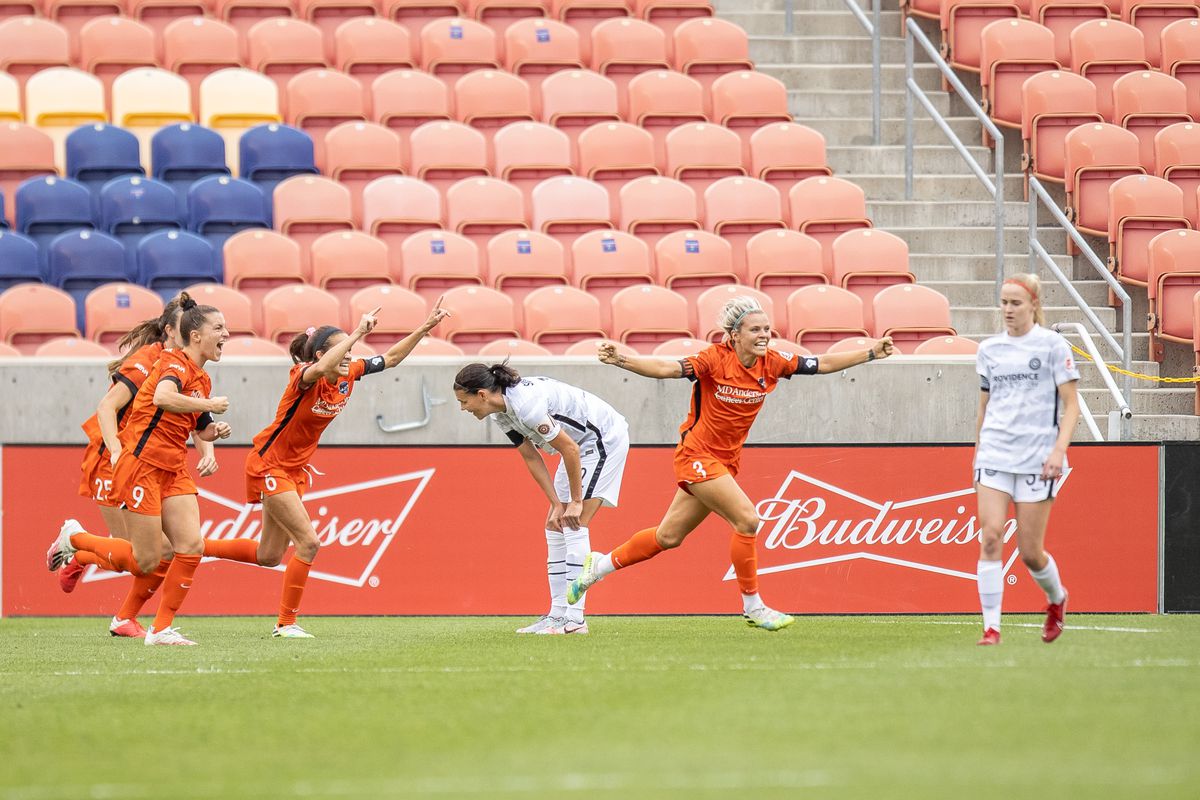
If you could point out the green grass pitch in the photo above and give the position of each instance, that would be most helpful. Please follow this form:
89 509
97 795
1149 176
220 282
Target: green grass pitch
643 707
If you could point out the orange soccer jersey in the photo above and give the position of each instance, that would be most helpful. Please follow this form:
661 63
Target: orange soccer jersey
160 437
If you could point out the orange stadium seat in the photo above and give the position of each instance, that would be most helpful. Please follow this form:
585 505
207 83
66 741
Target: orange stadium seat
146 100
1011 51
1177 159
405 99
679 347
433 261
395 207
589 347
307 206
866 261
31 313
257 261
853 343
1052 105
400 312
109 46
251 347
778 262
962 23
785 153
520 261
624 47
69 347
195 47
158 14
744 101
567 207
1103 50
1145 103
670 14
281 48
583 15
738 208
818 316
30 44
433 346
478 315
289 310
499 14
707 48
414 15
245 14
1139 208
575 99
1174 280
1096 155
345 261
479 208
115 308
443 153
536 48
367 47
660 100
645 316
825 208
1152 17
234 100
357 153
235 306
327 15
1180 44
912 315
709 303
18 8
60 99
947 346
604 262
1063 16
318 100
452 46
558 316
74 14
503 348
652 207
699 153
527 153
688 262
614 153
25 152
489 99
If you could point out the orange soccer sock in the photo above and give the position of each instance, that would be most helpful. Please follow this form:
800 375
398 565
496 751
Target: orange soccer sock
113 554
142 590
294 579
232 549
175 588
86 559
744 555
641 546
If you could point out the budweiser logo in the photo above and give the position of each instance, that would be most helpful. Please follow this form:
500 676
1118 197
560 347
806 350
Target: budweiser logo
355 524
810 523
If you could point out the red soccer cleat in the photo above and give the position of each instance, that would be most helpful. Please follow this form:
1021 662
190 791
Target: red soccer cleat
990 636
127 628
69 575
1054 620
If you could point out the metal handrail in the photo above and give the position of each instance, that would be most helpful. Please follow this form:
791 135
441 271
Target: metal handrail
872 27
428 401
1123 411
994 187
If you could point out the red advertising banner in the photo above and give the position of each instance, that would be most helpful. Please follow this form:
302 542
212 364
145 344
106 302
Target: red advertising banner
459 531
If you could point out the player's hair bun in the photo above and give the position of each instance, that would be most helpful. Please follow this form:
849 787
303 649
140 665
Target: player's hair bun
186 302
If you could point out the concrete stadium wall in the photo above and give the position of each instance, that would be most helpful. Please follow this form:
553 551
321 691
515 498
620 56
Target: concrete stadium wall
904 399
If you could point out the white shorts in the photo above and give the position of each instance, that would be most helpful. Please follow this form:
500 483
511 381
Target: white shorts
603 462
1021 488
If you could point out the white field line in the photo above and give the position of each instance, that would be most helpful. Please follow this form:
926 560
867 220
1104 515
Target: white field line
1105 628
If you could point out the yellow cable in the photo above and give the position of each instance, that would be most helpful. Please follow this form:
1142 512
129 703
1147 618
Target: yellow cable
1120 371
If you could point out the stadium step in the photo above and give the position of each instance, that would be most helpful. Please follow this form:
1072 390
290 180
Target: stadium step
851 77
857 130
1152 401
930 187
979 320
808 103
970 267
893 213
927 159
808 21
982 293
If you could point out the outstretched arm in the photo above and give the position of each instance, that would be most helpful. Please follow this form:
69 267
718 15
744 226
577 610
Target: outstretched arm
647 367
327 365
837 362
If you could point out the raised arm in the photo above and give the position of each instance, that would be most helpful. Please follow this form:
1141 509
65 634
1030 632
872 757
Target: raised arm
647 367
836 362
327 365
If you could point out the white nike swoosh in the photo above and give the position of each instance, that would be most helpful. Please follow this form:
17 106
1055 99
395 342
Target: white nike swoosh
185 586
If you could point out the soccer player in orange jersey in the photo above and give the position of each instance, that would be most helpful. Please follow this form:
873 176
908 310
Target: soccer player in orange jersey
150 475
318 388
731 381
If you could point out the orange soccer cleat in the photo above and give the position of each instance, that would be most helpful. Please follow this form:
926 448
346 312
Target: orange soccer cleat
1053 627
990 636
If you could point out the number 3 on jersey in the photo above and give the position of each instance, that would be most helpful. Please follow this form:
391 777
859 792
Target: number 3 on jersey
699 469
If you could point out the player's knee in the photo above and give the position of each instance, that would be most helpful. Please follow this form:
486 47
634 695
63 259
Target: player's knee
307 550
746 526
147 562
668 540
190 548
266 559
1034 561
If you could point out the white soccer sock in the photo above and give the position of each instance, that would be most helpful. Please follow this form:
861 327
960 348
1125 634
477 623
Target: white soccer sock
991 591
1047 578
604 566
751 602
556 572
577 547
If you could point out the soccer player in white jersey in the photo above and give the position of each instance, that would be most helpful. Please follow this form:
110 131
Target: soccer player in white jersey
1027 377
593 440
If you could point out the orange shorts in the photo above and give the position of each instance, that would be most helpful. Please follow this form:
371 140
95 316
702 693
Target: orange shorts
97 480
142 487
275 480
697 466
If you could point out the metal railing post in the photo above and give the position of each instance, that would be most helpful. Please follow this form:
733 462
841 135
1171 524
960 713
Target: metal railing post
908 118
789 22
876 77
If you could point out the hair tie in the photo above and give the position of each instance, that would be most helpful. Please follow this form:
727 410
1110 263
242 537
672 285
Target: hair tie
1016 282
310 331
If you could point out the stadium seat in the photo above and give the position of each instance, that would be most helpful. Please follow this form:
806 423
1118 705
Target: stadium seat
243 15
270 154
394 207
866 261
74 14
670 14
97 153
443 153
1096 155
367 47
80 260
744 101
8 351
962 23
329 15
414 15
1152 17
1063 16
404 99
196 47
18 260
825 208
660 100
72 347
785 153
251 347
1011 51
109 46
132 206
432 261
947 346
257 261
536 48
433 347
1052 105
624 47
307 206
644 317
567 207
1145 103
220 206
614 153
679 347
157 15
583 15
357 153
182 154
289 310
520 261
576 99
60 99
688 262
453 46
527 153
738 208
478 315
345 261
589 347
281 48
504 348
169 261
318 100
1177 159
555 317
1103 50
49 206
235 306
479 208
855 343
146 100
652 207
31 314
1173 282
10 99
115 308
1139 208
603 262
911 314
700 153
707 48
401 312
1180 44
819 316
234 101
709 303
29 44
25 152
778 262
488 99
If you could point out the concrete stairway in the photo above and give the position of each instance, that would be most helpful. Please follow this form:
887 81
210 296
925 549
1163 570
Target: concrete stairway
948 224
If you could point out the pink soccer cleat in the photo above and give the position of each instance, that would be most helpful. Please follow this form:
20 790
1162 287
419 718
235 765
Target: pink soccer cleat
1054 620
69 575
126 628
990 636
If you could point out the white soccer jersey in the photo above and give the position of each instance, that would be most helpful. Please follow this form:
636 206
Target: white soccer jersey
1021 375
538 408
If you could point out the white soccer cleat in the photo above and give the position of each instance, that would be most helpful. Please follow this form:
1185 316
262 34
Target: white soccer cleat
166 636
292 631
61 551
574 626
555 627
536 627
768 619
587 577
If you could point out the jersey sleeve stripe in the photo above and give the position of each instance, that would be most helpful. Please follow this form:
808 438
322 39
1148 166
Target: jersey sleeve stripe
128 383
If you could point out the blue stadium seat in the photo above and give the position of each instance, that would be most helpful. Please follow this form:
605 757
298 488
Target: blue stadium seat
169 261
132 207
48 206
79 261
184 153
272 153
98 153
3 217
220 206
18 260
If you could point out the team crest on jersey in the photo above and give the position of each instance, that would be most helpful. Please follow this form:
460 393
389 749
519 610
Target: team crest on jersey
344 387
543 429
1070 363
1035 364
